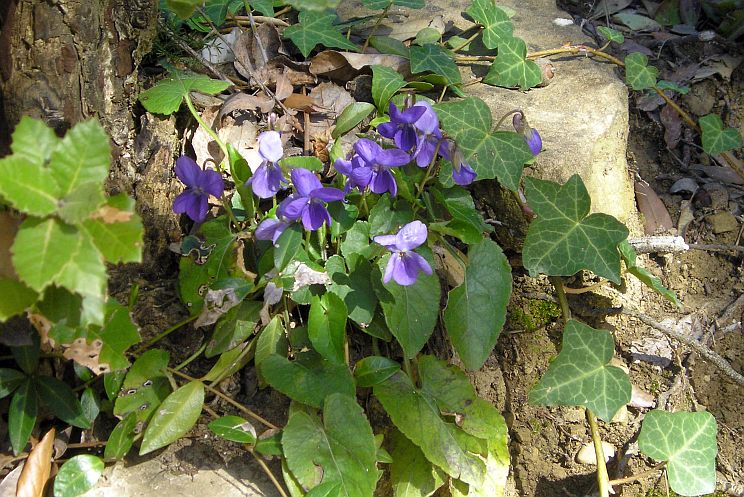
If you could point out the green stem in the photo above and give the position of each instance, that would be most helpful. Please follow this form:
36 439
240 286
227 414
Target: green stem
468 41
561 294
208 129
420 187
603 479
191 358
376 25
164 334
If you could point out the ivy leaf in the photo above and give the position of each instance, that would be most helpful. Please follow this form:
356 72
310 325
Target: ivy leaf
78 475
121 438
175 417
497 27
580 374
385 83
565 238
22 414
715 138
435 59
476 310
374 369
386 44
234 428
354 288
383 4
316 28
499 154
511 68
411 311
629 256
307 381
61 400
353 114
166 96
611 34
326 326
338 453
638 74
265 7
81 157
412 475
687 441
17 297
415 414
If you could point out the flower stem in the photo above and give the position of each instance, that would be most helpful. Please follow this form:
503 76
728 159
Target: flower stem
208 129
191 358
503 118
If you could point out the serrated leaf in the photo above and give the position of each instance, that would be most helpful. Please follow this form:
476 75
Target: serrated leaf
326 326
10 379
435 59
78 475
565 238
27 187
611 34
374 369
415 414
176 415
83 156
412 475
353 114
498 154
306 382
580 374
638 74
629 256
234 428
33 141
715 138
354 288
22 415
316 28
511 68
17 297
385 83
687 441
411 311
120 241
166 96
342 447
61 400
81 203
476 310
497 27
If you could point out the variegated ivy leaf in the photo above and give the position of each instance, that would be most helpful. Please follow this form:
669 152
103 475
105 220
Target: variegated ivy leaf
316 28
497 27
512 69
433 58
715 138
638 74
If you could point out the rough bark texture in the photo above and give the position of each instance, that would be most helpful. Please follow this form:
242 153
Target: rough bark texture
65 61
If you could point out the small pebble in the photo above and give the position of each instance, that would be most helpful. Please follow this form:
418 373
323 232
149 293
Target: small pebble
641 399
587 455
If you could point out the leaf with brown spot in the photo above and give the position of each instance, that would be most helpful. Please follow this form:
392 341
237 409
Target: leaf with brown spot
109 215
37 468
655 214
87 354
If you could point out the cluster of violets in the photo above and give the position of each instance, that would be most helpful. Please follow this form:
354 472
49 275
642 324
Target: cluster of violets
417 138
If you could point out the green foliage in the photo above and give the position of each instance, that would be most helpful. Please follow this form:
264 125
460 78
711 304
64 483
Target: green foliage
383 4
638 74
176 415
353 287
22 414
326 326
385 83
687 442
497 27
412 475
715 138
78 475
121 438
166 96
629 256
511 68
565 238
352 115
433 58
316 28
581 376
373 370
611 34
234 428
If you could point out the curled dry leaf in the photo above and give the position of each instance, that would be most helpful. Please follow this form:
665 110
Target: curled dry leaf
283 86
87 354
406 30
333 100
241 134
655 214
251 57
206 150
343 66
246 101
10 482
304 103
216 304
37 468
43 325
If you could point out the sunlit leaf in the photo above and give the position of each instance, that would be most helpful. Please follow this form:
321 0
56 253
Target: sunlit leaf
497 27
385 83
119 241
354 288
83 156
78 475
629 256
611 34
511 68
715 138
314 5
412 475
382 4
17 297
33 141
166 96
176 415
316 28
121 438
23 189
37 468
326 326
234 428
638 74
234 327
433 58
287 246
353 114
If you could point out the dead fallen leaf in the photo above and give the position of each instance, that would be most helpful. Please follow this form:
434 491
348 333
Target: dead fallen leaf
216 51
305 103
608 7
343 66
655 214
206 149
406 30
246 101
241 134
37 468
724 174
672 126
61 441
722 64
87 354
43 325
283 86
250 56
8 228
216 304
10 482
333 100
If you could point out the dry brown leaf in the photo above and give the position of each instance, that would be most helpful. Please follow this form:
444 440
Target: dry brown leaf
252 57
87 354
672 126
205 148
723 65
405 30
283 87
43 325
8 228
246 101
305 103
10 482
450 266
241 136
655 214
110 215
343 66
333 100
37 468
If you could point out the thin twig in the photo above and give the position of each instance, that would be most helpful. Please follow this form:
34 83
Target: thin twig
185 46
632 478
259 19
586 289
717 248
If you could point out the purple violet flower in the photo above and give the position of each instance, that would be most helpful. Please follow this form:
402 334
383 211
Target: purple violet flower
268 178
373 167
308 201
200 184
462 173
271 229
530 135
405 264
401 128
428 135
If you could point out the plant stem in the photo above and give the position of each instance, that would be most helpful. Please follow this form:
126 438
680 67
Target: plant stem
561 294
268 472
585 289
632 478
164 334
376 25
208 129
191 358
510 113
603 480
468 41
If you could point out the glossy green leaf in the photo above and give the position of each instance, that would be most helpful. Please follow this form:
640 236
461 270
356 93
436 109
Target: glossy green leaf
638 74
302 162
62 401
385 83
687 442
580 374
166 96
382 4
715 138
373 370
17 297
234 428
269 443
356 241
389 215
271 341
22 188
78 475
22 415
176 415
499 154
287 245
353 288
353 114
565 238
427 35
27 356
611 34
411 312
663 84
446 384
83 156
307 382
511 68
112 383
144 387
121 438
316 28
415 414
326 326
476 310
234 327
412 475
497 27
10 379
338 452
385 44
89 402
629 256
344 216
433 58
465 217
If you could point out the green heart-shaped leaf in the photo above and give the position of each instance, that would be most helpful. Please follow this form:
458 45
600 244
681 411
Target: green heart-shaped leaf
497 27
234 428
715 138
326 326
638 74
166 96
611 34
385 82
316 28
433 58
511 69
